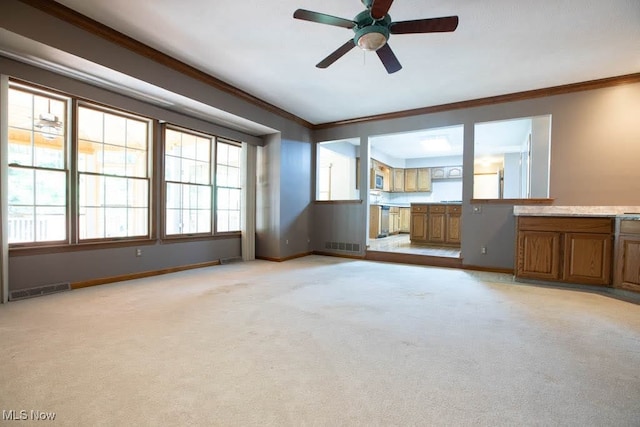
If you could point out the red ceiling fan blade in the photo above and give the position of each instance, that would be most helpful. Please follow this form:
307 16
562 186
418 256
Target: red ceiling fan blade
380 8
322 18
388 59
431 25
337 54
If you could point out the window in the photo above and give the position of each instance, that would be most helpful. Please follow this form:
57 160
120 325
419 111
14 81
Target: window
113 169
189 183
38 174
96 184
228 187
188 186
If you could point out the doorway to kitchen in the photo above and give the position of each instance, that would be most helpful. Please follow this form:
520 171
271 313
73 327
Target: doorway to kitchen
415 193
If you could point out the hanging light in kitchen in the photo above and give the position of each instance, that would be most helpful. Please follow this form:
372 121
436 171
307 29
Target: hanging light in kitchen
48 124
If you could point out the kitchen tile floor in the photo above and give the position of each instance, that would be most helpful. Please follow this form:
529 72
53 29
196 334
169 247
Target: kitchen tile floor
401 243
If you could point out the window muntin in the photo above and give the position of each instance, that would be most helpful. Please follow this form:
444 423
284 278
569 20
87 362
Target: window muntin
188 184
37 187
228 187
113 174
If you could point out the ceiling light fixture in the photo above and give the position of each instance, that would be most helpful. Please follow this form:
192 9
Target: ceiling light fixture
437 144
371 38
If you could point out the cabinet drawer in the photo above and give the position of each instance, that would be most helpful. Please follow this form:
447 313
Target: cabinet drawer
418 208
585 224
454 209
630 227
437 209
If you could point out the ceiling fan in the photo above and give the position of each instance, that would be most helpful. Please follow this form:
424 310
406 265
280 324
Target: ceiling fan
373 27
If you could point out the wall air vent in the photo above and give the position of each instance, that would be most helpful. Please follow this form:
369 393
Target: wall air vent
342 246
38 291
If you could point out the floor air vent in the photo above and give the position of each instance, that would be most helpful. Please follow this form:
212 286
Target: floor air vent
342 246
37 291
230 260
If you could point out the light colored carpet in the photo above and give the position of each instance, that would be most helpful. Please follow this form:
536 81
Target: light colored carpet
323 341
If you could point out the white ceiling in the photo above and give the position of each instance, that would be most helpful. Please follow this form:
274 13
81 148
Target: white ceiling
500 47
503 136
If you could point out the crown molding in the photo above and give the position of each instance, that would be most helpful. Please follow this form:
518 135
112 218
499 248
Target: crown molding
79 20
94 27
499 99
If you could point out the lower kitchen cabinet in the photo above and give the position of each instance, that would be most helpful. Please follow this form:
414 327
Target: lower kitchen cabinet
419 227
394 220
538 255
405 220
435 223
627 270
587 258
437 220
374 221
573 250
454 224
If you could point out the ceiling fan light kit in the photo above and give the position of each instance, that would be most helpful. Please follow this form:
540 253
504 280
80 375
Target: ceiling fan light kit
373 27
371 34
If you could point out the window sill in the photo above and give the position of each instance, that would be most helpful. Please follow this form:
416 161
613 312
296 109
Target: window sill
338 202
78 247
198 238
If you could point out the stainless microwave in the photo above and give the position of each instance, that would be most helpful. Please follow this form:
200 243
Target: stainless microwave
379 183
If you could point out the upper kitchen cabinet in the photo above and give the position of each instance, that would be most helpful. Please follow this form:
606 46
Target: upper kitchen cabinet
380 176
446 172
417 179
397 184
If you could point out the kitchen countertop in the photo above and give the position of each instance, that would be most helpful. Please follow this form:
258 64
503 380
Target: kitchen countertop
631 212
399 205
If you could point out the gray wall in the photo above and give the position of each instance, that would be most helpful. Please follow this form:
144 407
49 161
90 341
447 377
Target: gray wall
79 265
594 157
295 197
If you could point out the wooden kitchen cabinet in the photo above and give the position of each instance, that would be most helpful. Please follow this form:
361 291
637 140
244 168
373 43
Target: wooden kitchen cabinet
417 179
437 219
627 265
398 180
454 225
436 223
419 215
374 221
587 258
565 249
424 179
394 220
405 220
538 255
411 180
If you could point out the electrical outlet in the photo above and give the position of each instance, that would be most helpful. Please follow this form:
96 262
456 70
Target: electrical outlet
286 242
138 252
483 250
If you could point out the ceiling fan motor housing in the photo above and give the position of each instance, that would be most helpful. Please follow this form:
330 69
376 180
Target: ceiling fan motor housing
375 33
